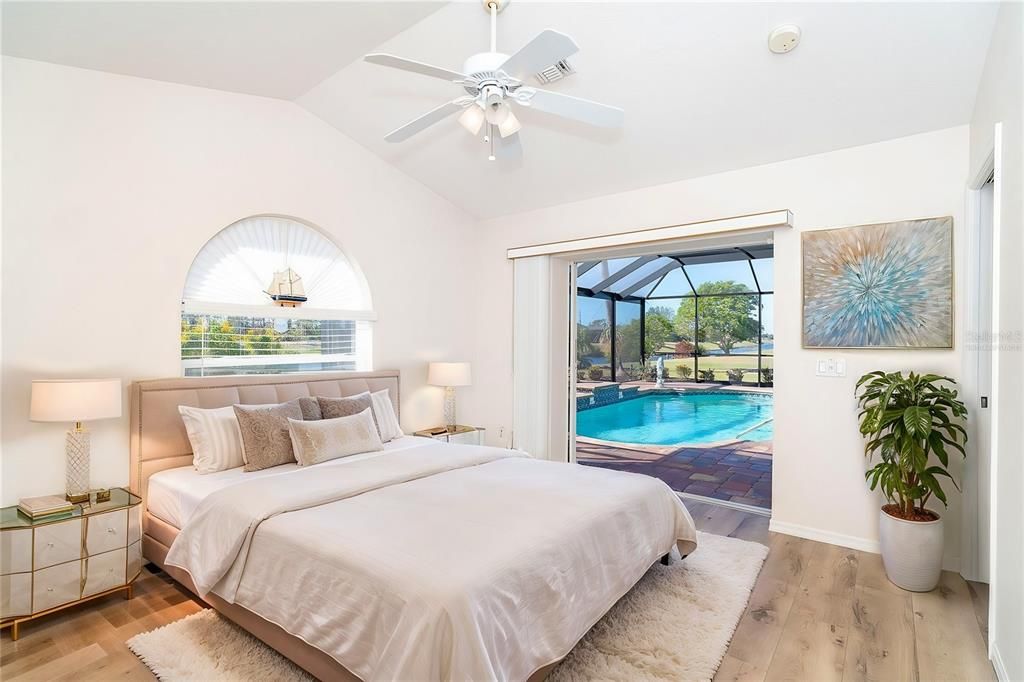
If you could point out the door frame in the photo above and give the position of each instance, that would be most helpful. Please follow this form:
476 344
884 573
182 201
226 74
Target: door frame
542 309
981 493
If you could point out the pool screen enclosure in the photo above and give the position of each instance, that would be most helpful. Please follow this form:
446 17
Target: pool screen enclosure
709 314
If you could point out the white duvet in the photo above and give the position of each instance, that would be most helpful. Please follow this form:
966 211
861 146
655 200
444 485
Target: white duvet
444 562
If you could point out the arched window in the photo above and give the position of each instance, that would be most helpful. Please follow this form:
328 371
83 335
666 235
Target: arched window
268 295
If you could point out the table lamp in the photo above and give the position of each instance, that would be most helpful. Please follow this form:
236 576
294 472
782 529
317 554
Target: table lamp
70 400
449 375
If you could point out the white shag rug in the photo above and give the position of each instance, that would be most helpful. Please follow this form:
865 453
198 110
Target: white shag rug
675 624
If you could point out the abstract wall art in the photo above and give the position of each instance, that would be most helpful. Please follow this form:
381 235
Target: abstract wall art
888 285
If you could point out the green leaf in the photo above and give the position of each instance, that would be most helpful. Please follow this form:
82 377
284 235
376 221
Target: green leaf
935 441
933 486
918 421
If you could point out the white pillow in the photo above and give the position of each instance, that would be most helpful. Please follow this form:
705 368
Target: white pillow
387 420
216 441
318 441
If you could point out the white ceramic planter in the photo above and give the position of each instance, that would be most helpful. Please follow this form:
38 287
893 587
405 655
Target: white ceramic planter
911 552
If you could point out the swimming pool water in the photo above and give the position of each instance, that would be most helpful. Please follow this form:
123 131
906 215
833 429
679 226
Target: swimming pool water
672 418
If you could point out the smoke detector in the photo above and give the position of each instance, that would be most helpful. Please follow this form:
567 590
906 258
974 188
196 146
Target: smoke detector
784 39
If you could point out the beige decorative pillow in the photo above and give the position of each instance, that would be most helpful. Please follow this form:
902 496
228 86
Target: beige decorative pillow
310 409
319 441
332 408
265 439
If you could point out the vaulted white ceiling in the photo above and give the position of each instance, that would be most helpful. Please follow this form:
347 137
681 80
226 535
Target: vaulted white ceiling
276 49
701 91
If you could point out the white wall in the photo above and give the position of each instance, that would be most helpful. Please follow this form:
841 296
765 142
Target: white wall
819 488
999 101
113 183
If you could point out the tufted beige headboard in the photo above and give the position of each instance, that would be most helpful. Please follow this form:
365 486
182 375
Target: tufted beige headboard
158 438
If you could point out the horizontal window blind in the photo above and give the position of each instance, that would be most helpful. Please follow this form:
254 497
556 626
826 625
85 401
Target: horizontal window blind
218 344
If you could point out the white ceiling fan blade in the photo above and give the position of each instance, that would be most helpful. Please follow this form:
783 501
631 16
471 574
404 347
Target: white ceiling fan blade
575 108
416 67
548 48
507 148
425 121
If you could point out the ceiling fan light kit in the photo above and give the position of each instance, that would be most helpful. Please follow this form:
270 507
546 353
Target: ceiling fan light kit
493 81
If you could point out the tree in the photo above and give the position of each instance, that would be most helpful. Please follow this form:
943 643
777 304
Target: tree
724 320
584 347
627 343
658 330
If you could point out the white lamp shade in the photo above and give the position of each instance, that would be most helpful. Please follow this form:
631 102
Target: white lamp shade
510 126
69 400
472 119
449 374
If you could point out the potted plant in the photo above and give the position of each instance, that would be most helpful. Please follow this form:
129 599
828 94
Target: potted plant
735 375
907 420
684 371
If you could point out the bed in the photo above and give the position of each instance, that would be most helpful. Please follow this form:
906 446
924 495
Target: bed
427 560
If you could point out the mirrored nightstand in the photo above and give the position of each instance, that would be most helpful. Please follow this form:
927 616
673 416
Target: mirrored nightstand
52 563
467 435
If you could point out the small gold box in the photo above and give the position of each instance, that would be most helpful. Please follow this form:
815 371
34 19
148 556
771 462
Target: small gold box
103 495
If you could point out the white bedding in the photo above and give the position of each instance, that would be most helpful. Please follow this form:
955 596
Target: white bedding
174 494
447 562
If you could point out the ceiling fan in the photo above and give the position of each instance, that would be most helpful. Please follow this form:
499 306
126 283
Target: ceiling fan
493 81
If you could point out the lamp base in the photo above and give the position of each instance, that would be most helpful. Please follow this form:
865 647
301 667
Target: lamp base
76 468
449 408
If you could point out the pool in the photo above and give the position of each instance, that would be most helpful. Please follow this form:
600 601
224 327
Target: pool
673 418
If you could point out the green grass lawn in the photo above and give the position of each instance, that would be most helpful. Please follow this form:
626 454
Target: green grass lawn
720 364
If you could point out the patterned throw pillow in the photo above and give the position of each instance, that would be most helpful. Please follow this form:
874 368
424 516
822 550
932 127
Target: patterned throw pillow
310 409
319 441
265 439
332 408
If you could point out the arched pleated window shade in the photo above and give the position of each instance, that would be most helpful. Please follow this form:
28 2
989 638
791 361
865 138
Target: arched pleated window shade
270 294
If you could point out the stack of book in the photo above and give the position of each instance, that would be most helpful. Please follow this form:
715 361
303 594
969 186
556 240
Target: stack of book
44 507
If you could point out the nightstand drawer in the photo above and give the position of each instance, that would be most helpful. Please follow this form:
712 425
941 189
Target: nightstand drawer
15 595
58 543
56 585
15 551
106 532
104 571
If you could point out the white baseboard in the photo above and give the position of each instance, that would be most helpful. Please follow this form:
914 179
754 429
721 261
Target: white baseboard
850 541
819 535
997 663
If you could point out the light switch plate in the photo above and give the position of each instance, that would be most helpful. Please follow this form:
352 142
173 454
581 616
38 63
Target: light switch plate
830 367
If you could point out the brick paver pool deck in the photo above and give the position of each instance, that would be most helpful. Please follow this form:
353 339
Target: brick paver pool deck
738 471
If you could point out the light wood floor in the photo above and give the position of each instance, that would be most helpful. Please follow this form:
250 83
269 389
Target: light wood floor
818 613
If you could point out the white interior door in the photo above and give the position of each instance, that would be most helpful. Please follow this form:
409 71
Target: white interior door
983 420
978 388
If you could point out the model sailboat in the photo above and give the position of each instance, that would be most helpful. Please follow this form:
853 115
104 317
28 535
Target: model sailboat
286 289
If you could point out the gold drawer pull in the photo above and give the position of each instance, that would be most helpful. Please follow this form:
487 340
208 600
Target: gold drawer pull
49 544
49 589
111 530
